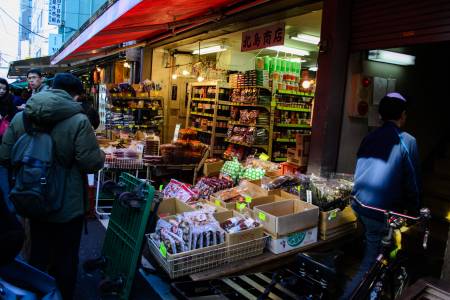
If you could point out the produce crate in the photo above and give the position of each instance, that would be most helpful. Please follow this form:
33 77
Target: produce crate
125 234
336 223
207 258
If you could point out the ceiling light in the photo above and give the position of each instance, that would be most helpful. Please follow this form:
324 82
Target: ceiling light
200 78
392 57
296 59
290 50
306 38
185 73
174 76
126 65
306 84
314 69
209 50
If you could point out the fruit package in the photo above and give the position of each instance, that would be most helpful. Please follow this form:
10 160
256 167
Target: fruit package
237 224
179 190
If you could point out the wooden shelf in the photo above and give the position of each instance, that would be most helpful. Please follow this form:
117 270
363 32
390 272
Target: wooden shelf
202 114
204 99
236 123
200 130
293 125
136 98
137 108
280 107
294 93
280 159
247 145
286 140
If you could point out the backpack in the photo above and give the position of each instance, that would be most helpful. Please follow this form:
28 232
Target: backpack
39 180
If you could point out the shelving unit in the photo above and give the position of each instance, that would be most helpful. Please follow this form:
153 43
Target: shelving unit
291 111
251 98
204 102
126 112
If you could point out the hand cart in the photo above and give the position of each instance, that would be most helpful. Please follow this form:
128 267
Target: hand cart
112 168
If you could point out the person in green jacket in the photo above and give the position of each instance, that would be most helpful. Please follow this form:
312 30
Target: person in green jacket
55 241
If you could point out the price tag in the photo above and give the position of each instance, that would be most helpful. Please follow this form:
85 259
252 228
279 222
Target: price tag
262 216
264 157
240 206
299 188
248 199
217 203
163 249
161 187
309 196
332 214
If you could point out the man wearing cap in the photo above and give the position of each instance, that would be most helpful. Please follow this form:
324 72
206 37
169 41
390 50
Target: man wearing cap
386 176
55 240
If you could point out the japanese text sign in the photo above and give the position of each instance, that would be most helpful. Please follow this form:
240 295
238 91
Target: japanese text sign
54 12
263 37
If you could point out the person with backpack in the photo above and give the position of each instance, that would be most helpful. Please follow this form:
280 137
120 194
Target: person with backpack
51 146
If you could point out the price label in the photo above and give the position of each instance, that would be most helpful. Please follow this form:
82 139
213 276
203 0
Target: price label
240 206
262 216
264 156
163 249
332 214
309 196
248 199
217 203
161 187
299 188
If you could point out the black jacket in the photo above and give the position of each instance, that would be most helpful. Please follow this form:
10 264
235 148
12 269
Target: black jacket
7 108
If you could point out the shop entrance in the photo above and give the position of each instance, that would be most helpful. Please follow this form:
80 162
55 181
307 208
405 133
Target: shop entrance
419 74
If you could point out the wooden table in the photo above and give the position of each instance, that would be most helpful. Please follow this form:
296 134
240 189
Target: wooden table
267 260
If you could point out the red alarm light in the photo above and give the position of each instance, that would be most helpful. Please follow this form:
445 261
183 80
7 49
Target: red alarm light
365 82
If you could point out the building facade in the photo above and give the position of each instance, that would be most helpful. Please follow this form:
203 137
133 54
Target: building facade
24 34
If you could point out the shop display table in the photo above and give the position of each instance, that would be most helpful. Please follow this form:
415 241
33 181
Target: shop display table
266 261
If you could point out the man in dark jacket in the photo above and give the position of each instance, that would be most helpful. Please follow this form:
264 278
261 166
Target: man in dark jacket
55 241
386 177
36 81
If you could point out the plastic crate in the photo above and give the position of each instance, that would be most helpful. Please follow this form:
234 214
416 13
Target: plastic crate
125 234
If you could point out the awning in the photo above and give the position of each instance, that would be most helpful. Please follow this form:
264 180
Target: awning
139 20
20 67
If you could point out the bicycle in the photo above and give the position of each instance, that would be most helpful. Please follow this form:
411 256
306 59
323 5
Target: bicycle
388 276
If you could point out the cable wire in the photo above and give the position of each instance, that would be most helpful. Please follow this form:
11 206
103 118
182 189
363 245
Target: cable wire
31 31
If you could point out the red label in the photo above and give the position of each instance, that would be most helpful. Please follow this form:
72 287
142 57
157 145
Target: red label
263 37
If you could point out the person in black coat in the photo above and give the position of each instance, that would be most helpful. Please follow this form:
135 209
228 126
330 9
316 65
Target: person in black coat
7 109
12 234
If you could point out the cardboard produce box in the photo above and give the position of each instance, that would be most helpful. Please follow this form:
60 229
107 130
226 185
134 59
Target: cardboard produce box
336 222
284 217
283 194
292 241
172 206
242 236
212 168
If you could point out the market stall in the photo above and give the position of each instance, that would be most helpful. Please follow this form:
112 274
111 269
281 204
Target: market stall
250 215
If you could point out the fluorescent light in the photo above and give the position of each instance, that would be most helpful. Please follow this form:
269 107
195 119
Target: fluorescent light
306 38
209 50
296 59
289 50
392 57
314 69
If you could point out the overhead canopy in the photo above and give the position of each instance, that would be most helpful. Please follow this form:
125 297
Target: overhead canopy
20 67
139 20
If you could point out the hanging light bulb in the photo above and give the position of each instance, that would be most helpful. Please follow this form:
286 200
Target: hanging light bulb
306 84
185 73
98 69
126 65
200 78
174 76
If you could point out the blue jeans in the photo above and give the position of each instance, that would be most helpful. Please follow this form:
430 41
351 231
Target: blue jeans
374 231
4 188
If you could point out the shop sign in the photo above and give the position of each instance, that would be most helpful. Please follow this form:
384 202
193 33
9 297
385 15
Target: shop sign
263 37
54 12
54 42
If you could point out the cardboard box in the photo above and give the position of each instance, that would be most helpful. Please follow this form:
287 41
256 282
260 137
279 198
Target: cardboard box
284 217
242 236
340 231
303 142
336 222
283 194
250 188
294 157
211 169
172 206
292 241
